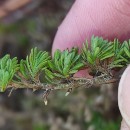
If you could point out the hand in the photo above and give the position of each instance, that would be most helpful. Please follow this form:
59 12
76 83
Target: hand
107 18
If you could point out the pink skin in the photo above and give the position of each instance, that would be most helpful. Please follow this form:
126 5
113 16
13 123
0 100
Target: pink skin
107 18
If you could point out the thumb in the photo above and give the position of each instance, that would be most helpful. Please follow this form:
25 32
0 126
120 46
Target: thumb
124 99
105 18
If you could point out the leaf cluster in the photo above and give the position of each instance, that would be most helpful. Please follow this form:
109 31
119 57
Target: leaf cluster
64 64
105 55
34 64
8 67
99 56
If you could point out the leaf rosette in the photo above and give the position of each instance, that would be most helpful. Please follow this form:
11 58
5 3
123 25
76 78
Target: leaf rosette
103 55
64 64
34 64
8 68
121 56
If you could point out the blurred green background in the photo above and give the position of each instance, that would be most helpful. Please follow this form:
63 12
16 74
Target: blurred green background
35 24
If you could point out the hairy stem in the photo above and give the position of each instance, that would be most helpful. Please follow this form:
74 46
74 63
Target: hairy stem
71 83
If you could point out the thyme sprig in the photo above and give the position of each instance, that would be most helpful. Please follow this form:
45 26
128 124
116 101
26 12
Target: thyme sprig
57 72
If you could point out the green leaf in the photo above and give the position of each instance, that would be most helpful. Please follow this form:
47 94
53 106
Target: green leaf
51 65
73 71
96 52
127 52
77 66
107 56
75 59
23 69
117 63
89 59
49 74
58 75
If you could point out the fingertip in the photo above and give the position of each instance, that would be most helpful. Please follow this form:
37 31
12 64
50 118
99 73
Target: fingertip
124 95
72 32
68 34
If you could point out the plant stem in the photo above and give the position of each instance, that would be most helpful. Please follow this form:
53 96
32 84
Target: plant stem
72 83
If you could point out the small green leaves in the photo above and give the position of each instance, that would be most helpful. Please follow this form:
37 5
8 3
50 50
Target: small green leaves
34 63
24 69
105 54
8 67
126 48
100 56
99 50
121 54
64 64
